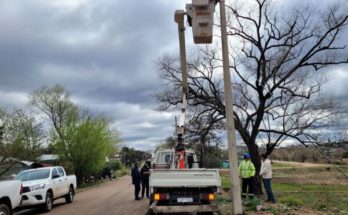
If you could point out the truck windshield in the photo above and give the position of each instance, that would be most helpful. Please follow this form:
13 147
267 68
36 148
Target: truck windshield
33 175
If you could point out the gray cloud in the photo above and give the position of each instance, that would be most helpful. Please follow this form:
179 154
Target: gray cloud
103 52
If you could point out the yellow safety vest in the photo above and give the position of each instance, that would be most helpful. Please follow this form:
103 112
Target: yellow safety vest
246 169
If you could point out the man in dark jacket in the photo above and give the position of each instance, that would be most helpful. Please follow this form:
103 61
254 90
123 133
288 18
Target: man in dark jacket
136 179
145 174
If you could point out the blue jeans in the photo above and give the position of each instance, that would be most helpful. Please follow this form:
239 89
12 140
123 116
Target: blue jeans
268 188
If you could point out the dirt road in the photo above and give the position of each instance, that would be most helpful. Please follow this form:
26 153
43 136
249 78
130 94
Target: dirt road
112 197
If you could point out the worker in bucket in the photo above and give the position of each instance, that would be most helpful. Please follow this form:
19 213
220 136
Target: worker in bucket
247 172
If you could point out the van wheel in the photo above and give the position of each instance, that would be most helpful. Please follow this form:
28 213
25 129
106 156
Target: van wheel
69 198
5 210
49 202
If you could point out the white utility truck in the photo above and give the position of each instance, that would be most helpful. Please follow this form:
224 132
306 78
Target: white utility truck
177 184
10 196
42 186
176 189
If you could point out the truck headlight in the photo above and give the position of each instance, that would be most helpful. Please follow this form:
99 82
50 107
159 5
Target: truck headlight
37 187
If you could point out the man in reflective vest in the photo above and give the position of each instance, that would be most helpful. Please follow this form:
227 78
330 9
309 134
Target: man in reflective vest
247 172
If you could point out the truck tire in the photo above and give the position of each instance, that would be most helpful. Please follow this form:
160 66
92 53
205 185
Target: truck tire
5 209
49 202
69 198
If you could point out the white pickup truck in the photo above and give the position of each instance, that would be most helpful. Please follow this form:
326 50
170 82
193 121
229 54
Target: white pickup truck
42 186
10 196
175 190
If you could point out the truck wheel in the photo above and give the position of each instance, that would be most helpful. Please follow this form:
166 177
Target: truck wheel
5 210
69 198
49 202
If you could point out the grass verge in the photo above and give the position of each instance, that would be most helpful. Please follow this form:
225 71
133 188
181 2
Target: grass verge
296 199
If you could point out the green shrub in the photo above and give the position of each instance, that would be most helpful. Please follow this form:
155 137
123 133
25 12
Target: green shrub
291 201
114 165
223 200
123 171
251 203
274 211
321 206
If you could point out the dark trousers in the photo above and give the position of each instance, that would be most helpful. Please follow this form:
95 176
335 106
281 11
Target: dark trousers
145 186
268 187
248 187
136 190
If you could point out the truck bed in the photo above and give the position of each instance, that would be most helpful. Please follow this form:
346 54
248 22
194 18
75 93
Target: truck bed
185 178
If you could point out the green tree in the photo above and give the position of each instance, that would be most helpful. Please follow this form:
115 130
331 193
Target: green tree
87 146
83 142
22 136
129 156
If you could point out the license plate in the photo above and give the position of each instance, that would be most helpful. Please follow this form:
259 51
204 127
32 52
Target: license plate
185 199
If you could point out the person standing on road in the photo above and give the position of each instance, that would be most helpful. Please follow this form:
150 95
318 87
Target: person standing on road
145 173
136 179
247 172
266 173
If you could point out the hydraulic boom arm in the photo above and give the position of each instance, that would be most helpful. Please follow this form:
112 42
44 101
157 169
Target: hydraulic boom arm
180 127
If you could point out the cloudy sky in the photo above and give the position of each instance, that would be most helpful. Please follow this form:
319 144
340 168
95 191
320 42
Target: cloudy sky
103 52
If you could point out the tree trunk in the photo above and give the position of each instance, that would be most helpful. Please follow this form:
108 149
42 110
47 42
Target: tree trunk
256 159
201 156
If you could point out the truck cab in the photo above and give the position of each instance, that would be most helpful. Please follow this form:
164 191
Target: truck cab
175 189
168 159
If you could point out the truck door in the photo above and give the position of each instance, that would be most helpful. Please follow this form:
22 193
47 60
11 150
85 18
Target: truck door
64 184
56 183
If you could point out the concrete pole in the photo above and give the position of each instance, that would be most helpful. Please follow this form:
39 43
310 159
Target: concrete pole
231 137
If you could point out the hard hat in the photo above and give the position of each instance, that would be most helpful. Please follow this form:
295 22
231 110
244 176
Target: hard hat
246 155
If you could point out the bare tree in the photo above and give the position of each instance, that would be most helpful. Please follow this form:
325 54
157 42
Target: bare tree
203 134
278 64
55 103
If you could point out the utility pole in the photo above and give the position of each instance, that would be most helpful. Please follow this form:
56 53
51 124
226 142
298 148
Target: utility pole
231 137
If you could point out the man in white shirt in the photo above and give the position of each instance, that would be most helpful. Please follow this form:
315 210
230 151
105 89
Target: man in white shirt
266 173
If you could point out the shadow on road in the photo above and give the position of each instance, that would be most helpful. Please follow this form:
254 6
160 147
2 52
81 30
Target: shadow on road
36 210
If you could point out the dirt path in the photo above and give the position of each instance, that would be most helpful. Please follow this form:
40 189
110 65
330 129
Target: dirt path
112 197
